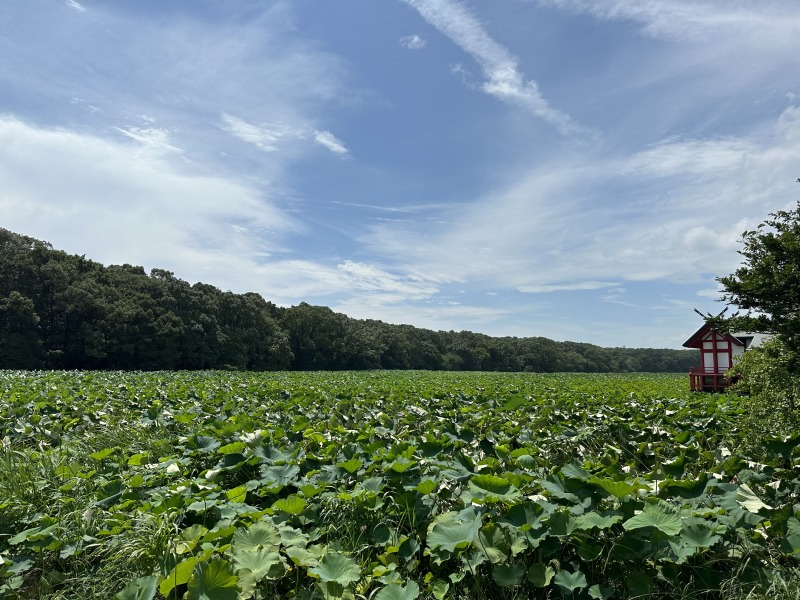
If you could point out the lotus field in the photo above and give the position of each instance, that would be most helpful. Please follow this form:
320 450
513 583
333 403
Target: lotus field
387 486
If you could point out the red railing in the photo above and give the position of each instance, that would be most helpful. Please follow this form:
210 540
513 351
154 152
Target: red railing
707 380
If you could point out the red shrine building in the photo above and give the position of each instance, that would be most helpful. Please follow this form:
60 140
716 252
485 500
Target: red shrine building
717 353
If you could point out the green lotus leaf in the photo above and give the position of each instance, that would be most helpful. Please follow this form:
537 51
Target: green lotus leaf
618 489
598 592
394 591
656 515
292 504
748 500
639 584
593 519
263 564
214 580
506 575
203 443
179 575
232 448
698 536
351 466
439 589
575 471
494 543
259 535
426 486
279 476
237 494
540 574
143 588
455 530
569 582
337 568
302 557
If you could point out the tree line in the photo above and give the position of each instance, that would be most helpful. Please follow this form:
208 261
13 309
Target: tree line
62 311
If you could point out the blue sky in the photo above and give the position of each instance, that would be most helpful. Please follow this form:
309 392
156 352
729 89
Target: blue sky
574 169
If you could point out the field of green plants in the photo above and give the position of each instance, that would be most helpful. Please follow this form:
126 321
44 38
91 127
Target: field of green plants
389 486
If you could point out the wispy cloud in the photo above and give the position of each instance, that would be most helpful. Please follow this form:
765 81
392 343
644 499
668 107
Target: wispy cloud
767 23
503 77
270 137
676 157
123 202
555 230
330 141
266 137
413 42
565 287
154 139
75 5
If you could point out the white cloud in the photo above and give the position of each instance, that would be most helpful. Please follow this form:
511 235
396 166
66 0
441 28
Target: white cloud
153 139
266 138
761 24
564 287
678 213
330 141
75 5
499 66
127 202
712 157
371 278
413 42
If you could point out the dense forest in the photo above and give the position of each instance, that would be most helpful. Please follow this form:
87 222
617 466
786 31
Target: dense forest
62 311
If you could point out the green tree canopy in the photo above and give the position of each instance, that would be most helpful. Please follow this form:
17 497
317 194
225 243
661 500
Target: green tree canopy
767 285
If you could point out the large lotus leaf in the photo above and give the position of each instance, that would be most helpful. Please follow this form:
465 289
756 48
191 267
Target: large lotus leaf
394 591
688 488
494 543
508 575
292 504
180 574
698 535
574 471
783 446
203 443
527 515
618 489
338 568
276 477
748 500
492 488
557 489
561 523
540 574
658 515
593 519
259 535
639 584
263 564
598 592
273 455
439 589
454 530
143 588
791 543
569 582
291 536
351 466
213 580
302 557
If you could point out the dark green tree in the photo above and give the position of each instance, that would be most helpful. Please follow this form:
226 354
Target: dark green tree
767 285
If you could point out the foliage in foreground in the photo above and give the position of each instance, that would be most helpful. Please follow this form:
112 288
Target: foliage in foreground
388 486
